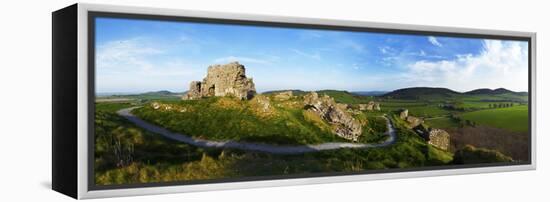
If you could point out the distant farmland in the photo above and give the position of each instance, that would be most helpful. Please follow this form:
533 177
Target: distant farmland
512 118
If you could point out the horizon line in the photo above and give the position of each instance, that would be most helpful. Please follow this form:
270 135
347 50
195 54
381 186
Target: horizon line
264 91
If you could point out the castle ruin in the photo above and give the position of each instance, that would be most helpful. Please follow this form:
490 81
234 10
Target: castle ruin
223 80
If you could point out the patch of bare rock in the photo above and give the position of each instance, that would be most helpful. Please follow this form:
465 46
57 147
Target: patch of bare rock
345 125
370 106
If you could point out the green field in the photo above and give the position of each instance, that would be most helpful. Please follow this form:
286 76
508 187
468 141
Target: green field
112 107
140 98
512 118
442 122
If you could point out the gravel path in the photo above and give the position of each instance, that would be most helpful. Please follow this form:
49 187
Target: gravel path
276 149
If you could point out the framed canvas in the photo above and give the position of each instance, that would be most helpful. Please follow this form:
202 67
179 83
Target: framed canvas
152 101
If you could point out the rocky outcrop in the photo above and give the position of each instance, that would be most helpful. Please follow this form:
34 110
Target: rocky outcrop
404 114
263 104
223 80
377 106
168 107
343 106
411 120
286 95
414 121
370 106
344 125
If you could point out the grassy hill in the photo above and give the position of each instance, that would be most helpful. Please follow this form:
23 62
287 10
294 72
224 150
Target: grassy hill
483 94
487 91
369 93
345 96
498 91
421 93
225 118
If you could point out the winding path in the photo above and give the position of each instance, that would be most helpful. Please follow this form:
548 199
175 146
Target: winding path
276 149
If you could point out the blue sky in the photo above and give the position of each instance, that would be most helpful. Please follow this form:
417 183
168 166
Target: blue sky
146 55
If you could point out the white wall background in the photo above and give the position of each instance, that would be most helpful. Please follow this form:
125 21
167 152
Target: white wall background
25 103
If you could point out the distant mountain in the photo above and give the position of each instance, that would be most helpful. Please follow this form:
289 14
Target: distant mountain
162 92
369 93
420 92
431 93
498 91
480 91
522 93
502 91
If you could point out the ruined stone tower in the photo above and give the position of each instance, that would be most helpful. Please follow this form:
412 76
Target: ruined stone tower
223 80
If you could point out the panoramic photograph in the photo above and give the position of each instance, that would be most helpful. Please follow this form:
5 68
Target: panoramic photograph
193 102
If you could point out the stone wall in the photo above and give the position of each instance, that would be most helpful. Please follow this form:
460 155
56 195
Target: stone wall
436 137
223 80
439 138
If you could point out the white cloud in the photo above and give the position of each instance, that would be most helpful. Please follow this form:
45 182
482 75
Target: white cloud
241 60
434 41
133 64
392 56
423 53
120 53
353 45
184 38
387 50
309 34
315 55
499 64
389 60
